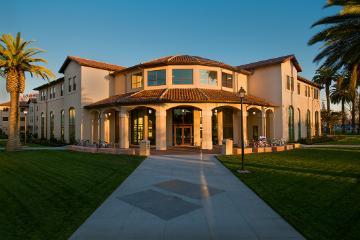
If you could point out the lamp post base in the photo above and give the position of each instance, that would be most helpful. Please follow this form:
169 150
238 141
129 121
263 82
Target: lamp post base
243 171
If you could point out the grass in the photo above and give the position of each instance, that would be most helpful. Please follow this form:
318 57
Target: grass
49 194
4 141
347 140
316 190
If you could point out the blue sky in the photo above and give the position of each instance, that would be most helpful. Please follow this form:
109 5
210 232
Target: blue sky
129 32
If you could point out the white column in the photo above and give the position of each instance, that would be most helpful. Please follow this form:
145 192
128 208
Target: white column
196 127
263 123
207 129
160 129
102 127
146 125
236 127
124 128
220 127
245 124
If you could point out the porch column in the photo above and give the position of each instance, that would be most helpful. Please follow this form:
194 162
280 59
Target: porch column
102 127
111 120
146 125
245 125
160 129
263 122
236 127
220 127
196 127
124 129
207 129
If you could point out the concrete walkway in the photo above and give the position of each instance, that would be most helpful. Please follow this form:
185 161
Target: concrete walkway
184 197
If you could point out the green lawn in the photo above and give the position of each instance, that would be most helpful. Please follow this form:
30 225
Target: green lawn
4 141
316 190
347 140
49 194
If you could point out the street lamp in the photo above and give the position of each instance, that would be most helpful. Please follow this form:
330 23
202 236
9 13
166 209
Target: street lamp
25 113
242 94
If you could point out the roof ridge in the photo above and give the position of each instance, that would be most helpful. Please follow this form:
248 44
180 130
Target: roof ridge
88 59
206 96
163 93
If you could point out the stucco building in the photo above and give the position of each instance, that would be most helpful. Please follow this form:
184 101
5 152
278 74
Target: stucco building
178 100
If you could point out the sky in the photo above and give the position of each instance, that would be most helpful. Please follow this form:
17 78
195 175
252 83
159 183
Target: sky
129 32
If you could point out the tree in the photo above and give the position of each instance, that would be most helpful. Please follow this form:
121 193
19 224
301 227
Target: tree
16 59
340 38
340 94
325 76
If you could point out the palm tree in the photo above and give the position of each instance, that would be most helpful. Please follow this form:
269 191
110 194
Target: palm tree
340 38
16 59
340 94
325 76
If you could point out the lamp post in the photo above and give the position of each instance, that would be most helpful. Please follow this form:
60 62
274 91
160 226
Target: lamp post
242 94
25 113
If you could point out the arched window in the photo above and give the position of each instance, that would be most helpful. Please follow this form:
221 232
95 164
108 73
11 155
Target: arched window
71 125
62 124
52 128
308 124
317 123
291 124
42 125
299 124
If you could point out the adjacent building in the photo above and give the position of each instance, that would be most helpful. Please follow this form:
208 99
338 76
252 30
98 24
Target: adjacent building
178 100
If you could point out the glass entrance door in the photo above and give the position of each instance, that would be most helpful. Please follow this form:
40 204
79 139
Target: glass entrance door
182 135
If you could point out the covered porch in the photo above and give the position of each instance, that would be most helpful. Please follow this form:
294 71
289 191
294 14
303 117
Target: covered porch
198 118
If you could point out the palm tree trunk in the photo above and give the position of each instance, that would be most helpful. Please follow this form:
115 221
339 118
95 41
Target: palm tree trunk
358 129
13 143
343 116
353 112
327 92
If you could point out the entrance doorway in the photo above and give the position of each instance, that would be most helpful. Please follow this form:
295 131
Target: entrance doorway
183 126
183 135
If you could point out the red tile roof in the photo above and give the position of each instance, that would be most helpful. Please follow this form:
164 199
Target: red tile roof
21 104
90 63
272 61
183 60
50 83
183 95
302 79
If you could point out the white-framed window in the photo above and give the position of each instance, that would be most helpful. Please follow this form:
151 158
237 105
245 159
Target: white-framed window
208 77
137 80
227 80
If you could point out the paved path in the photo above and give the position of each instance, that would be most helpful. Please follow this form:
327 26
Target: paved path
184 197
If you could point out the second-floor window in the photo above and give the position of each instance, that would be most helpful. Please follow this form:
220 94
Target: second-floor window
74 83
290 83
298 88
54 91
208 77
227 80
156 78
316 93
182 76
137 80
70 84
62 89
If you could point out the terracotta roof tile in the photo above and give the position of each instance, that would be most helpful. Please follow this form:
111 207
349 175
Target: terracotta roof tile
302 79
50 83
183 60
90 63
193 95
272 61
